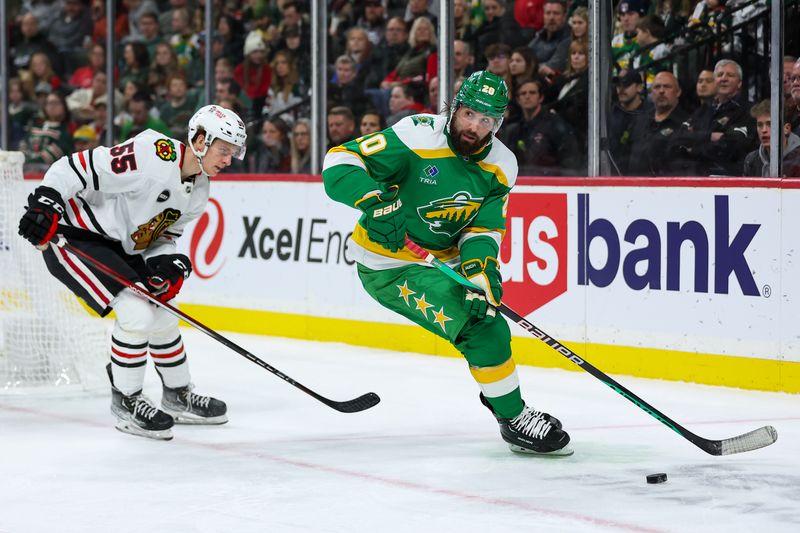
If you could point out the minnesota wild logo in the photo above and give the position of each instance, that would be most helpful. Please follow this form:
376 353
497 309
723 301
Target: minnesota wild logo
421 120
448 216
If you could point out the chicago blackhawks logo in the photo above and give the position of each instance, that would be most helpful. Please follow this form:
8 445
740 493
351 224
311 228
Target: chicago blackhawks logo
448 216
165 150
152 230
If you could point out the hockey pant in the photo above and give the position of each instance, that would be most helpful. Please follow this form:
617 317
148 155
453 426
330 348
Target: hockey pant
140 326
434 301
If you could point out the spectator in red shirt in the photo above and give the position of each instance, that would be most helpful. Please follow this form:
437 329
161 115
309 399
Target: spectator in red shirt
254 74
100 25
529 13
402 103
82 77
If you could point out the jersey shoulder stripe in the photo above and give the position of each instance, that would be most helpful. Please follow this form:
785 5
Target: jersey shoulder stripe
95 178
501 162
424 135
85 206
77 212
340 155
75 170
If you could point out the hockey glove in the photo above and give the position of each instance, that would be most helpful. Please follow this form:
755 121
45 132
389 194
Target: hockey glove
40 222
486 275
479 265
167 273
384 222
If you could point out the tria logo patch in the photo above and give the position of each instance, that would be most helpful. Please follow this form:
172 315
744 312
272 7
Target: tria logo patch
448 216
164 196
430 172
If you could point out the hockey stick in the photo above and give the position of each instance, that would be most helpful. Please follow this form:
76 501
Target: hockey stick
743 443
355 405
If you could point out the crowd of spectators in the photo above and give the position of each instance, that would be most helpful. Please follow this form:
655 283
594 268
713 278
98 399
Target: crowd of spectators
383 67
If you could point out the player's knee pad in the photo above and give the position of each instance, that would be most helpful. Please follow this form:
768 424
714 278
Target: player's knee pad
164 321
485 342
134 314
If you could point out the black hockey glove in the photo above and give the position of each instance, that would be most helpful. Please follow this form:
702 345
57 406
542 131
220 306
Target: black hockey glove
384 222
167 273
40 222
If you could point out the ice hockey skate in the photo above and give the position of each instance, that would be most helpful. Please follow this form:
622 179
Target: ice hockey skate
186 407
533 432
137 415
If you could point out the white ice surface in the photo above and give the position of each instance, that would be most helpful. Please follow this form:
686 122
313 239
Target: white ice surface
428 458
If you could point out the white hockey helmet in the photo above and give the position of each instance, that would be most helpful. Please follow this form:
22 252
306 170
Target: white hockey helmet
218 123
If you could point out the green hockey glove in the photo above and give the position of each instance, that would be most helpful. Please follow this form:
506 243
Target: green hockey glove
486 275
384 222
479 265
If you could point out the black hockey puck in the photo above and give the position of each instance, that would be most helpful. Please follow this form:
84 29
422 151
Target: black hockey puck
657 478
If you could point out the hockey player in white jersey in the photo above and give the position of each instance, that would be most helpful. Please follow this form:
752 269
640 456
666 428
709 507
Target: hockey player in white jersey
126 206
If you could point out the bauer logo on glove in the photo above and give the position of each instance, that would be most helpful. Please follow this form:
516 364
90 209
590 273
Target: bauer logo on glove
388 209
384 219
486 275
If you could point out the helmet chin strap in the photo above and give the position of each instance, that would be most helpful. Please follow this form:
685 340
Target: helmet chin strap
202 168
200 157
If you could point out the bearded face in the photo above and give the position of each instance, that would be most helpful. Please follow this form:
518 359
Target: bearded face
470 130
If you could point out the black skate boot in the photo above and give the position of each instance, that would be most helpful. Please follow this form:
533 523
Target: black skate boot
137 415
190 408
532 432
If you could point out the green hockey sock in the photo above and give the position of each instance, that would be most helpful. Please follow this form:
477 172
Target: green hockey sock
500 386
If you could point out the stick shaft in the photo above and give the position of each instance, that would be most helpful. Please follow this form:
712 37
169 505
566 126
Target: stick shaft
750 441
347 406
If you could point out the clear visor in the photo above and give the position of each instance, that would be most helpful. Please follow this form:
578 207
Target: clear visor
225 149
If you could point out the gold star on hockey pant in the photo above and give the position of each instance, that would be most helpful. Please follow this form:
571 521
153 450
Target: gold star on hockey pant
423 306
405 292
440 318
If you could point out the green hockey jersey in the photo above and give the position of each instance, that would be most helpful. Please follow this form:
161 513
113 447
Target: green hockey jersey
446 198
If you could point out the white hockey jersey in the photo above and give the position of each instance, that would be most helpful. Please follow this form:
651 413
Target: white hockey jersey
131 192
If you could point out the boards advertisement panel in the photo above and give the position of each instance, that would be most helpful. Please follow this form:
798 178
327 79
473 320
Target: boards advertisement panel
694 269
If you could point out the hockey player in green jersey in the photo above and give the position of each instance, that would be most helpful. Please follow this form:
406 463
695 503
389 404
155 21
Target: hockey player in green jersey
444 181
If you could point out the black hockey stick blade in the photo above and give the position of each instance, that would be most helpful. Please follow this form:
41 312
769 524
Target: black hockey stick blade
355 405
746 442
362 403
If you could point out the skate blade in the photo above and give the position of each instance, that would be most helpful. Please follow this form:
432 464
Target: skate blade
191 419
132 429
566 451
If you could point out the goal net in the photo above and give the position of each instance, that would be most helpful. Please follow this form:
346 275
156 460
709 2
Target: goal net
48 341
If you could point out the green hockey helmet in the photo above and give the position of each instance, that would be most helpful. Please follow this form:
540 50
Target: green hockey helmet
485 93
